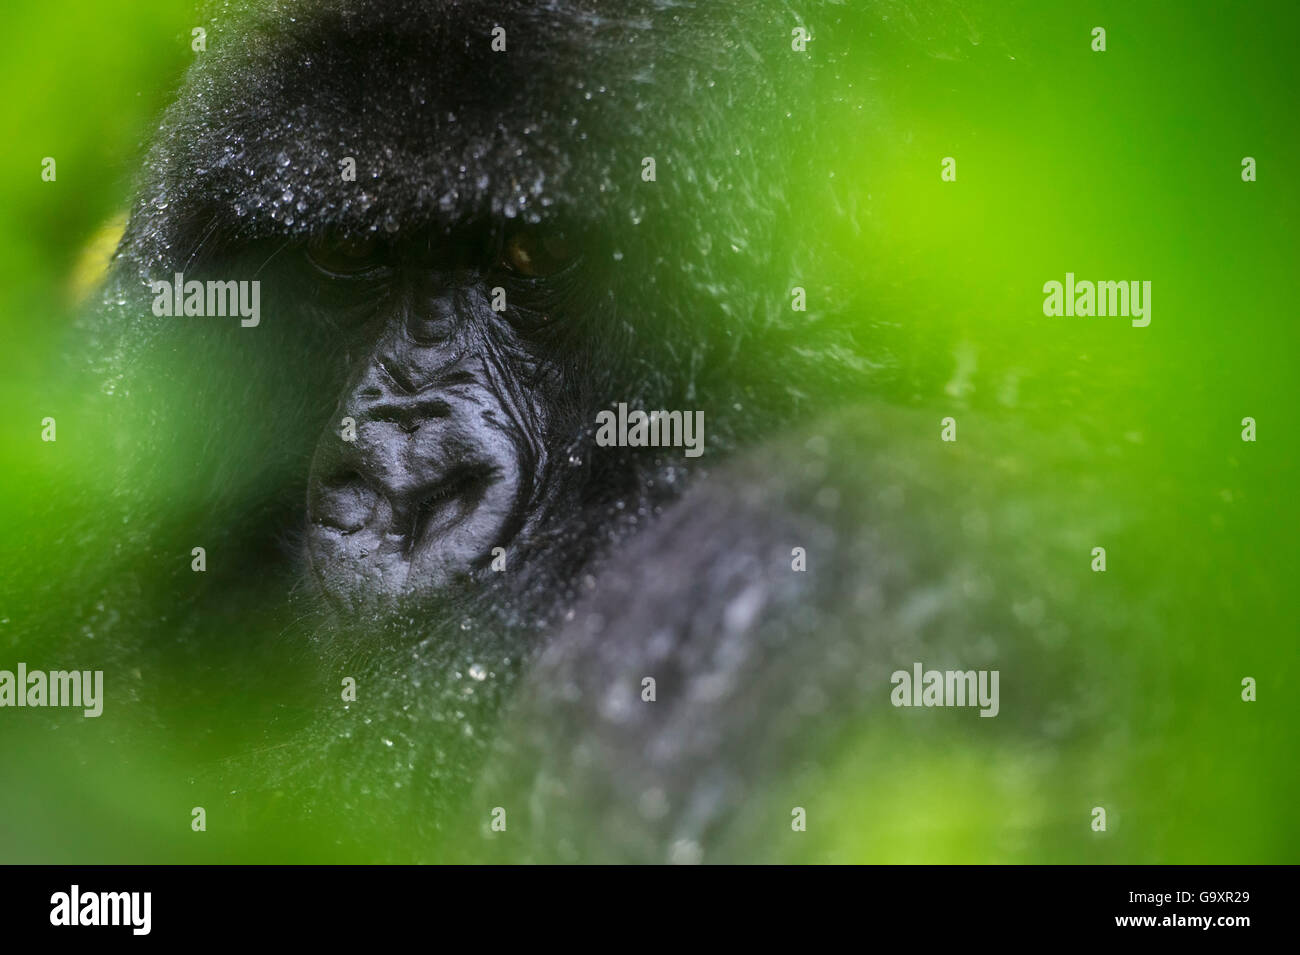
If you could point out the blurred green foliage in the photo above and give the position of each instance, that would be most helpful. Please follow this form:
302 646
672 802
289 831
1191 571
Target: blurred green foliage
1115 165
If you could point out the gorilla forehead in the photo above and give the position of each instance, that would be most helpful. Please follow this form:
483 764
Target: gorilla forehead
441 127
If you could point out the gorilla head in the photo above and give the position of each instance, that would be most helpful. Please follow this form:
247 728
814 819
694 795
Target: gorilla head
475 226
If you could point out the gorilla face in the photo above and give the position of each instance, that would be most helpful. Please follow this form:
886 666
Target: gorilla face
493 272
450 403
465 252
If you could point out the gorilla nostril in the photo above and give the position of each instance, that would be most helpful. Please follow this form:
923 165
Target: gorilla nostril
344 502
342 479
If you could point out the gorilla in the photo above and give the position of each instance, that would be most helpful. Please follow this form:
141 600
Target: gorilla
494 273
475 226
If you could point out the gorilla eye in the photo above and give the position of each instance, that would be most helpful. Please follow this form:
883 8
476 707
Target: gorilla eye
345 256
536 255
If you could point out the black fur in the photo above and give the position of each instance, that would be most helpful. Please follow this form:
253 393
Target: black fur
634 563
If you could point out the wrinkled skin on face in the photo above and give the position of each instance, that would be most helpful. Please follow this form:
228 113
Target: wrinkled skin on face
449 405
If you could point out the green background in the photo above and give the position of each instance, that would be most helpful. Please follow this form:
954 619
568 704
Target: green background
1117 165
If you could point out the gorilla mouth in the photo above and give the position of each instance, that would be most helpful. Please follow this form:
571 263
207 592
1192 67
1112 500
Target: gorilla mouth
369 540
351 503
444 505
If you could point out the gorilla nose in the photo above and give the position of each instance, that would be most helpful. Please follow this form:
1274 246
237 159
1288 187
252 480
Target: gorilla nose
344 502
408 505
